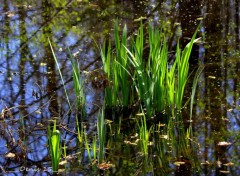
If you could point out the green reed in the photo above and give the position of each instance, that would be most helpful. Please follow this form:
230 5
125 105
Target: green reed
60 73
55 146
87 146
157 65
183 68
144 134
78 87
156 83
101 129
110 91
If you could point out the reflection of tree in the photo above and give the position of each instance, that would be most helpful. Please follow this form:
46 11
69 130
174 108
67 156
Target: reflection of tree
51 74
7 82
220 37
189 11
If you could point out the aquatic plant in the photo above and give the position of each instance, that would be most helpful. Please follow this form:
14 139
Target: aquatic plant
195 81
54 145
116 74
110 92
183 68
78 87
60 73
101 129
87 146
144 134
157 84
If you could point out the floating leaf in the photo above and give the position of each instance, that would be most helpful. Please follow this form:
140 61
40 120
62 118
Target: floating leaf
224 172
178 163
211 77
63 162
104 166
229 164
140 114
38 112
43 64
223 143
10 155
140 19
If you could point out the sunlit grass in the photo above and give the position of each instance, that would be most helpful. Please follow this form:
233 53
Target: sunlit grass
54 146
156 83
60 73
79 87
146 80
183 68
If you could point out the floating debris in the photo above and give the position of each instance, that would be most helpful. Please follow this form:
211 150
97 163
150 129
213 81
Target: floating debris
131 143
206 163
38 112
104 166
140 19
164 137
135 136
178 163
224 172
10 155
223 143
140 114
212 77
229 164
63 162
42 64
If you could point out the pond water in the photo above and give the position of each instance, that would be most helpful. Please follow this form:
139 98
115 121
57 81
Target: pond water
32 93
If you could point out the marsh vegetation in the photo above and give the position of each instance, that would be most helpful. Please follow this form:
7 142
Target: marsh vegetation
109 88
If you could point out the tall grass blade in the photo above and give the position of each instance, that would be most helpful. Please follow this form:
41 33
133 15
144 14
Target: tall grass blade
60 73
101 129
195 82
78 86
183 67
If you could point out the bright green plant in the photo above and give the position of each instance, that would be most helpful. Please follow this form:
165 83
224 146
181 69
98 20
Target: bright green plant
144 134
101 129
156 83
79 87
94 148
110 92
189 133
87 146
80 131
91 151
55 146
183 67
157 66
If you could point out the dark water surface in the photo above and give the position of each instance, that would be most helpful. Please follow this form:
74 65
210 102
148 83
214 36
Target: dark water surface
31 90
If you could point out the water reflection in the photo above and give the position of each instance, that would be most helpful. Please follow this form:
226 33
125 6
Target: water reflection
31 90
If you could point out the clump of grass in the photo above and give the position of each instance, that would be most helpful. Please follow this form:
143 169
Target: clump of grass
78 87
182 60
157 84
115 70
55 146
144 134
96 150
77 81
